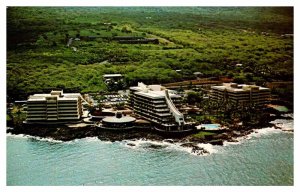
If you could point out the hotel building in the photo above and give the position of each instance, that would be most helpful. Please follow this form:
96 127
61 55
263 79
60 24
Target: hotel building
158 105
56 106
240 94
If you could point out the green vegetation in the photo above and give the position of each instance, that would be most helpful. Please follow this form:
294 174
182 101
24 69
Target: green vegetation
16 116
194 97
202 134
209 40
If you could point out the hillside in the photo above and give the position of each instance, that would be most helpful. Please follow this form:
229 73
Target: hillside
211 40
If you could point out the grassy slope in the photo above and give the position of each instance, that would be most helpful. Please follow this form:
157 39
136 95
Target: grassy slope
192 39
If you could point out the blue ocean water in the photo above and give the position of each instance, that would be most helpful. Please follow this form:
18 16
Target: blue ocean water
264 158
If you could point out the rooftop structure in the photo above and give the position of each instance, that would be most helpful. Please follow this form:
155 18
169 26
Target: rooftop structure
158 105
112 76
240 94
54 106
118 122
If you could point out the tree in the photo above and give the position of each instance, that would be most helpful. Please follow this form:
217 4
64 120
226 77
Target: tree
120 106
239 79
193 98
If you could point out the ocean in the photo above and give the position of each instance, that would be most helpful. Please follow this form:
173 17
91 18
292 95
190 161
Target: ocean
264 158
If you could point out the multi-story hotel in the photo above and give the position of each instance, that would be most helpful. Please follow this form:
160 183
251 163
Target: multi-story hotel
56 106
158 105
240 95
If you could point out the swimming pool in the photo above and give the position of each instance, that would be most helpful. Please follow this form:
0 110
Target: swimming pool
209 126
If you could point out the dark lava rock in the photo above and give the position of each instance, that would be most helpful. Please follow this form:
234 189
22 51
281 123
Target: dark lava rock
216 142
153 146
199 150
232 140
195 149
188 145
169 140
131 144
222 136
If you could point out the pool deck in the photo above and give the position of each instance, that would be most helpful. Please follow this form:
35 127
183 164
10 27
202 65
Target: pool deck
209 127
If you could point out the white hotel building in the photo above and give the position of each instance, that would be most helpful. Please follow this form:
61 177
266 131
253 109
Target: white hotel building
56 106
240 94
158 105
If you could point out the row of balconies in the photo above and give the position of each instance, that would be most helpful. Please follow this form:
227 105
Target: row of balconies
36 104
155 116
68 107
152 108
51 117
234 94
241 97
51 101
67 104
152 111
36 118
36 115
149 104
150 100
67 101
68 114
69 117
35 111
50 106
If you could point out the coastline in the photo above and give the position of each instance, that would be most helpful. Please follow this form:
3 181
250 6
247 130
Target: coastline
65 133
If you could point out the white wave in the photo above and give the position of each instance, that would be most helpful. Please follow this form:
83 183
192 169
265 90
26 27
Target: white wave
238 140
23 136
208 147
256 133
263 131
90 139
284 124
17 135
143 144
47 139
291 115
227 143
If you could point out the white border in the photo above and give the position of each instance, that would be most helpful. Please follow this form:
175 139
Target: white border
5 3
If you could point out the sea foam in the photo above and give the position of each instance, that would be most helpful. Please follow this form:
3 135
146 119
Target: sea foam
144 144
23 136
284 124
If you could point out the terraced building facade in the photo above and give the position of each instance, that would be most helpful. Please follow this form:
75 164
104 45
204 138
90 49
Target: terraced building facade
240 95
158 105
56 106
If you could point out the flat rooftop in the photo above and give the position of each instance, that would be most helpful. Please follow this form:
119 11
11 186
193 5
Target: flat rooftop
112 75
60 96
156 94
152 91
123 119
233 87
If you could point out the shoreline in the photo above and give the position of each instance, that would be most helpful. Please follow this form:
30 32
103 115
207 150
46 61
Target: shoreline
63 133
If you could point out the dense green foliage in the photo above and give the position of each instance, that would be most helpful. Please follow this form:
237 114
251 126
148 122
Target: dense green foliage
209 40
202 134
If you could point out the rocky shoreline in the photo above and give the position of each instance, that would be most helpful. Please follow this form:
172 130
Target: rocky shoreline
66 133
